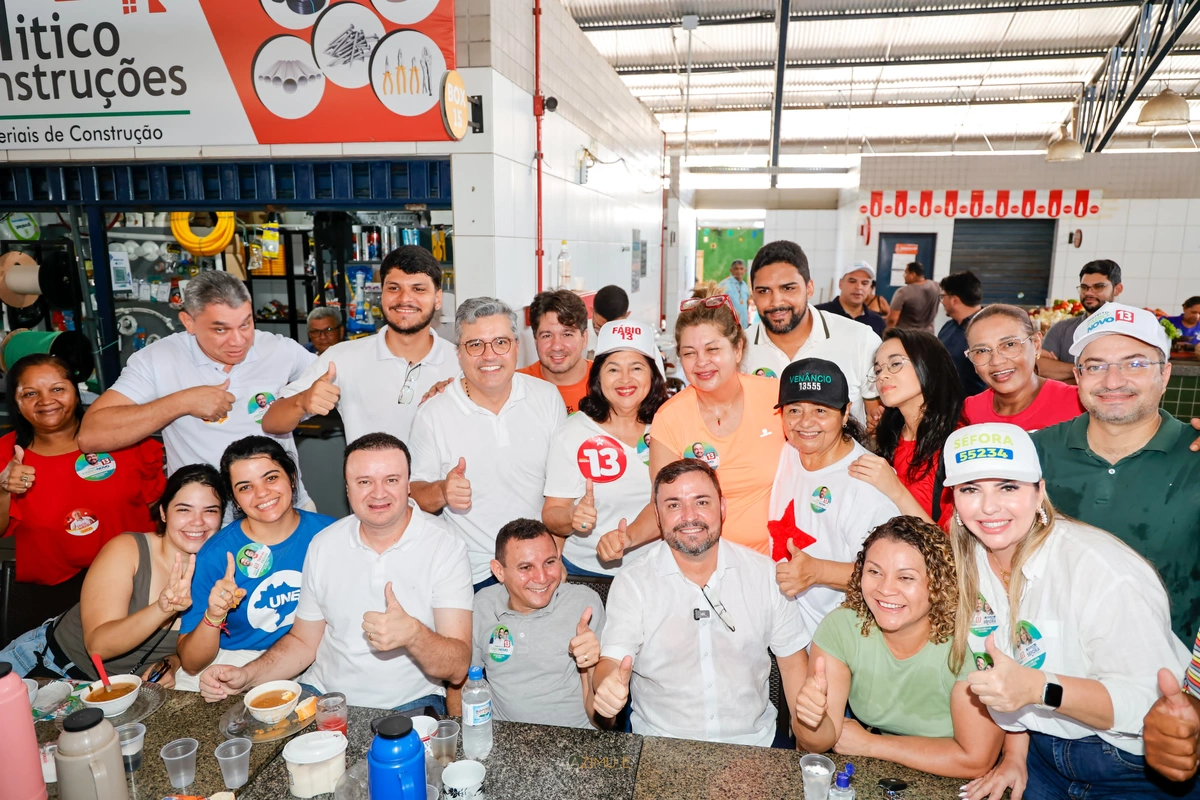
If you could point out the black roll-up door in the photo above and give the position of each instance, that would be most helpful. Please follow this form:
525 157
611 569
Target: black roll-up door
1011 257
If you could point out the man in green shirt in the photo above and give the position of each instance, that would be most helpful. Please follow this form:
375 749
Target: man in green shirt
1126 466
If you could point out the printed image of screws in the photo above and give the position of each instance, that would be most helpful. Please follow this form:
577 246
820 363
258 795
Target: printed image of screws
349 46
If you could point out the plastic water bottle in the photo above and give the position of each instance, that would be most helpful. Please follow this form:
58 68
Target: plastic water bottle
842 790
476 716
562 268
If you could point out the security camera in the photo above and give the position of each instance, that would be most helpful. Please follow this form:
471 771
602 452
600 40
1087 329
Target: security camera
551 104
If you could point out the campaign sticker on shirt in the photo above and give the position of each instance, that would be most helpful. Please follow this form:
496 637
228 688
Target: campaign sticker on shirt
82 522
705 452
643 449
95 466
257 407
765 372
984 620
602 459
821 498
1031 651
983 661
254 560
500 644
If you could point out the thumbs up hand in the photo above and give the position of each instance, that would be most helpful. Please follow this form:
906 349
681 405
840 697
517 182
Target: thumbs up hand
612 545
1171 730
210 403
392 627
813 699
1007 686
613 691
457 488
585 647
322 397
798 573
583 517
17 478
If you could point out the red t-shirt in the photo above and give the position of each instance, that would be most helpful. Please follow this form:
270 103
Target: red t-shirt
1056 402
571 393
922 489
75 506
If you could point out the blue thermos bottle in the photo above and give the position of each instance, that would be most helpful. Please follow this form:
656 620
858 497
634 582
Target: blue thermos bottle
396 761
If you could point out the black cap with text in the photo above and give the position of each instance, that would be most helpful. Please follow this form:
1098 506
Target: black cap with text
813 380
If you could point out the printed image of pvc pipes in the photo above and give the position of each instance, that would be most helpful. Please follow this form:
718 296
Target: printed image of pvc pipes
343 39
286 78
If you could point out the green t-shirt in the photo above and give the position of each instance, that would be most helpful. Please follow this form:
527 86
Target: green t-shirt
907 698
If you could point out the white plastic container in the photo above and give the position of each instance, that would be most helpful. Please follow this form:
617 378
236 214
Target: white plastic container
315 761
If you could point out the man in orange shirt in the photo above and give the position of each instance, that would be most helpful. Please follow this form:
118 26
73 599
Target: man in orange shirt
559 322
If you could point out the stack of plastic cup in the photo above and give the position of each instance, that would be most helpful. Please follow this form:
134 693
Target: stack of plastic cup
179 757
234 758
132 736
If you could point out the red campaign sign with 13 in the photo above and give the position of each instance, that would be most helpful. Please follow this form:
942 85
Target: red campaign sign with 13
983 203
602 459
349 71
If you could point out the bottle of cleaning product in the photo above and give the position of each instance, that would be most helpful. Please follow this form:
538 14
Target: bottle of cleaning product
842 790
563 268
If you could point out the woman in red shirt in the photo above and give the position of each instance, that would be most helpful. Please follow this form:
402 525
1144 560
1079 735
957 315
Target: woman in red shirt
60 504
923 402
1003 344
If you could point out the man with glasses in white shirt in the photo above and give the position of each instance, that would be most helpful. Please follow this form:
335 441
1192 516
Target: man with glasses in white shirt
377 382
689 625
479 448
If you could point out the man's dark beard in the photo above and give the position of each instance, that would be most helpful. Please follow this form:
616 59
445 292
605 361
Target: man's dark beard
676 544
417 327
790 325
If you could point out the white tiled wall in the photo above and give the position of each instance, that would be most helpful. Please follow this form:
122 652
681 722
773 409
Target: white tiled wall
817 232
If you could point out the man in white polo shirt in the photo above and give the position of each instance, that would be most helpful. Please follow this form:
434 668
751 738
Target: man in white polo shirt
385 609
204 388
377 382
689 624
479 448
790 328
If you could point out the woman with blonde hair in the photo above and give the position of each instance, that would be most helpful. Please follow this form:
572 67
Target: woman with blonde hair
726 419
1079 626
886 654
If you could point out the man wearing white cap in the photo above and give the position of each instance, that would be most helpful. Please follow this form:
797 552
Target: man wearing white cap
854 287
1126 466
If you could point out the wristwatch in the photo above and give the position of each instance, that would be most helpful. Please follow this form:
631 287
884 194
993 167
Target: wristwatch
1052 693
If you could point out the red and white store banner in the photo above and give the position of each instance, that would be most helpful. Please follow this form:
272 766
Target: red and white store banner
983 203
137 73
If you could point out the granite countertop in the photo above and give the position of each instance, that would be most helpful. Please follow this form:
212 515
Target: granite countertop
533 762
690 770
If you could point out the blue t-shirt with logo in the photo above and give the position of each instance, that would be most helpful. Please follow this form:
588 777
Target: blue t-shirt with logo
269 574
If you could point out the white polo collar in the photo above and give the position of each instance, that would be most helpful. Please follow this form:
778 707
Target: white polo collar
435 356
468 406
416 521
667 565
821 332
200 358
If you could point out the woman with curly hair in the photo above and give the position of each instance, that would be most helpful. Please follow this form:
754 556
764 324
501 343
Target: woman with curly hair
886 652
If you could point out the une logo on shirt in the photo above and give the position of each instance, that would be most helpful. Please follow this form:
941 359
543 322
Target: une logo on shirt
273 603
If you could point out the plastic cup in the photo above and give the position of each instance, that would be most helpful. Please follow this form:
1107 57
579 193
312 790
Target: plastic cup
332 713
234 758
444 742
817 772
179 757
132 737
432 792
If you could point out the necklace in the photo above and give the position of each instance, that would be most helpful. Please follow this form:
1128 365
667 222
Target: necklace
1005 577
724 410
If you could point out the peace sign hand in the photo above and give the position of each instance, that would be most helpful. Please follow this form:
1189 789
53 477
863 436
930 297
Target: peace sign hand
176 596
583 516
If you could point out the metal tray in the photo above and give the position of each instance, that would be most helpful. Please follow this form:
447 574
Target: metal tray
257 731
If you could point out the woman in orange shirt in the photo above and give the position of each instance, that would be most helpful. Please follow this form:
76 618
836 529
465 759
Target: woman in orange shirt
724 418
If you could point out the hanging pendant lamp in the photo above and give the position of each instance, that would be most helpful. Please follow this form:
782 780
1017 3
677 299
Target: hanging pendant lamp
1064 148
1167 108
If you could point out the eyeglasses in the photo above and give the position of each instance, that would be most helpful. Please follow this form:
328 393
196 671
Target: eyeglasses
1095 287
894 365
1008 349
322 331
1132 367
500 345
714 600
408 392
716 301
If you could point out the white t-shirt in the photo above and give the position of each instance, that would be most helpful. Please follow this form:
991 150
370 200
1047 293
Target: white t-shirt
177 363
620 476
372 381
694 678
344 579
505 453
838 511
1092 608
847 343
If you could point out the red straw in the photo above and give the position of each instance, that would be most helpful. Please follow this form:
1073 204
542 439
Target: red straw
100 669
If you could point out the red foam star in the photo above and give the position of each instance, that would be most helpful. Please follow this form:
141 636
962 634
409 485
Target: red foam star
784 530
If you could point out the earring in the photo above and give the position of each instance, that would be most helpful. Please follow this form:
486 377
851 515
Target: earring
1043 516
958 519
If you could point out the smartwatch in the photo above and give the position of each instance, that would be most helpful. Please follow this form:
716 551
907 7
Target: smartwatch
1052 693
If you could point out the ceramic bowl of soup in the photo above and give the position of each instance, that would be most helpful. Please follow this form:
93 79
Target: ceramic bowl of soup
119 696
272 701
